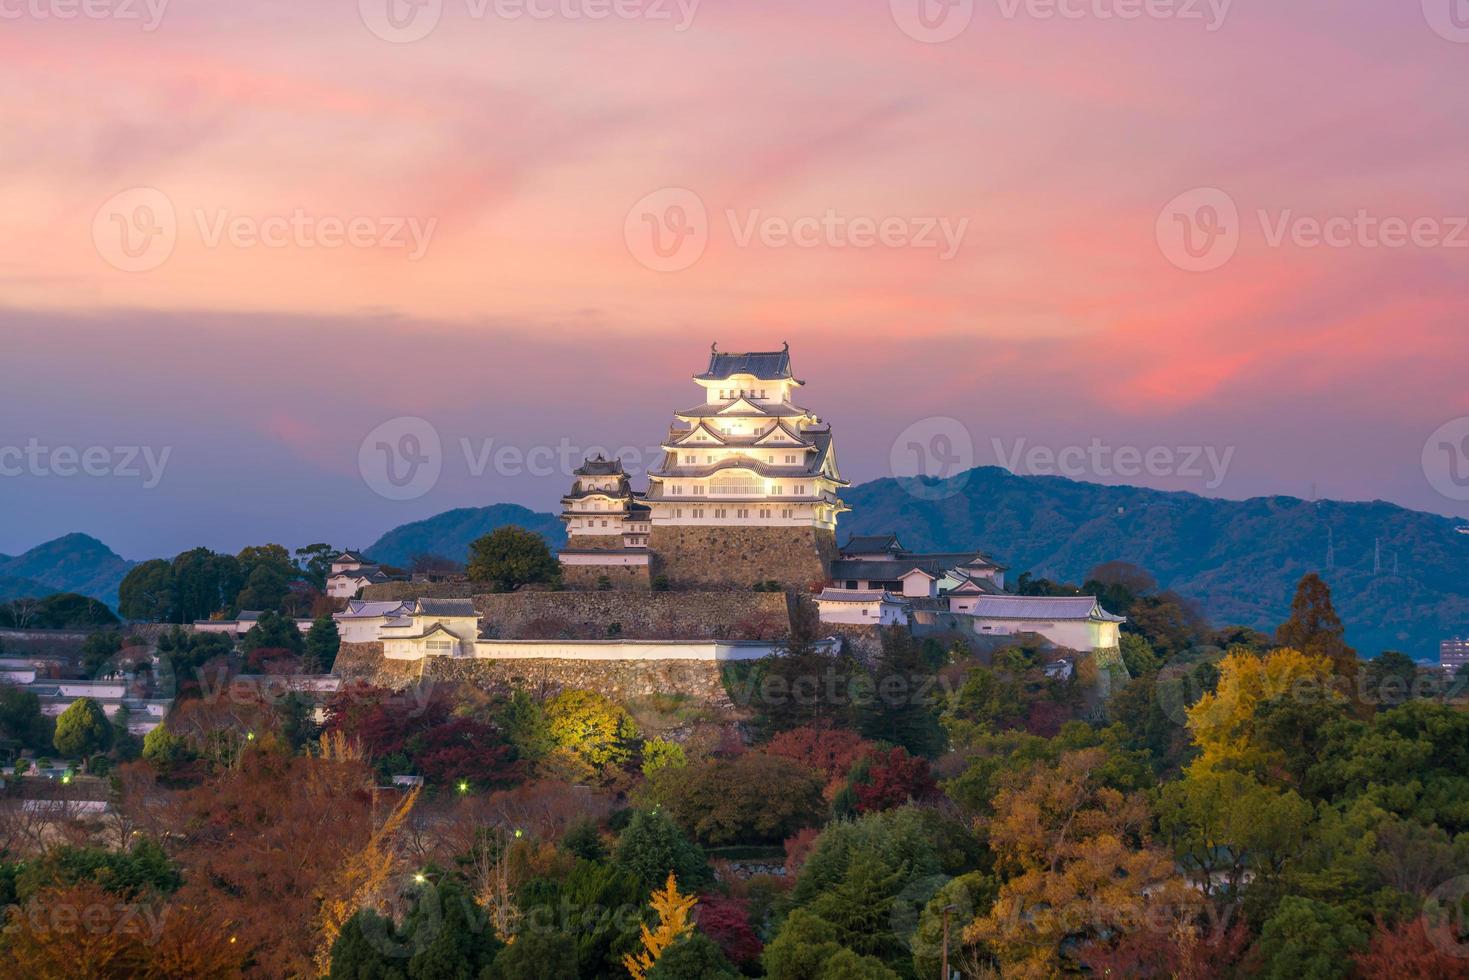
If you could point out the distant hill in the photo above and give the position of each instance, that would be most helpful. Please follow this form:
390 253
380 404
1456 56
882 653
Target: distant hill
71 563
1239 559
449 534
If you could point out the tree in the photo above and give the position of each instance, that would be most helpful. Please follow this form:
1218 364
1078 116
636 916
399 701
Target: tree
538 954
322 643
752 798
524 722
694 956
146 593
1390 677
1225 723
70 611
595 728
1315 629
165 751
661 753
273 631
509 557
204 583
726 920
82 729
1308 940
672 909
653 847
315 562
21 717
1065 843
98 649
1226 827
890 779
902 709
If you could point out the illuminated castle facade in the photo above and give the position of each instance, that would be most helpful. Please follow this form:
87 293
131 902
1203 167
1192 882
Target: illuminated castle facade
747 491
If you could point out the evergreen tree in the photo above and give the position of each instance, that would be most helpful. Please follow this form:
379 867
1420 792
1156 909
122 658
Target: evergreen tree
537 954
901 706
82 729
275 632
322 643
652 847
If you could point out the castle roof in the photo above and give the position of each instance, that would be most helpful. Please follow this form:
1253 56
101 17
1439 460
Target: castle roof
444 607
599 466
1043 607
743 408
869 544
761 365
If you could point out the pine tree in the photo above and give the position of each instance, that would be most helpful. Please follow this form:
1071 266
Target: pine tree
900 707
673 911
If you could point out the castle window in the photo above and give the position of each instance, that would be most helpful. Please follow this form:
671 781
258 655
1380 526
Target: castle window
698 512
721 512
689 457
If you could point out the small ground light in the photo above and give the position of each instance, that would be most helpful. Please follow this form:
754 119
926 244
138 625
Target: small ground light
420 878
249 736
519 832
464 786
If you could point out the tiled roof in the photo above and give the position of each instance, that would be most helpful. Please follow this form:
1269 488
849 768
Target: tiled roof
785 410
599 466
444 607
368 609
764 365
1042 607
857 595
871 543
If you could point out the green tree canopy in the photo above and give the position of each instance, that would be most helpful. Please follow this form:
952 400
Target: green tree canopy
82 729
509 557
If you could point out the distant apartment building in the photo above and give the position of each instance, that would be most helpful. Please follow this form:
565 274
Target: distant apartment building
1453 655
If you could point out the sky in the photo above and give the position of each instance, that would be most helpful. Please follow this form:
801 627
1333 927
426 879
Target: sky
260 257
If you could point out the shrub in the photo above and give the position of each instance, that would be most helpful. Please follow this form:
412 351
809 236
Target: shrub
753 798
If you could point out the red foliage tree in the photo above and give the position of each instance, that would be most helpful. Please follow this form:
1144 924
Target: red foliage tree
1405 951
464 749
383 721
830 751
1154 952
726 920
893 778
799 848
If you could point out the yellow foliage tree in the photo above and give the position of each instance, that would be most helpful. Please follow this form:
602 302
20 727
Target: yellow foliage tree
360 879
1080 865
673 923
1222 723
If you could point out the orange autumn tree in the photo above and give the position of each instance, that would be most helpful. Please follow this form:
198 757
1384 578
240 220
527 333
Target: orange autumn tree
673 924
1079 867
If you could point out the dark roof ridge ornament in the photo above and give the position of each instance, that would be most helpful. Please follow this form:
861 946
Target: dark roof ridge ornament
714 347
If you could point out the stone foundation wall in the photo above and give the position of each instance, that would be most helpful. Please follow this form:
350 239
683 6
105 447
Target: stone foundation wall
621 679
365 662
639 615
740 557
594 542
584 577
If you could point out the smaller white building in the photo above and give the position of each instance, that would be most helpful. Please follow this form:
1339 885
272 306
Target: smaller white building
862 607
361 621
1075 622
432 627
351 572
